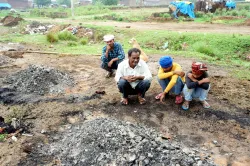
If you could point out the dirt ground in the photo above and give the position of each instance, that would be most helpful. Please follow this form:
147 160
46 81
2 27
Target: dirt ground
168 26
222 131
179 27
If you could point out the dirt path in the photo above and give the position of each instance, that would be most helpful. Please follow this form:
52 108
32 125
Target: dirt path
179 27
168 26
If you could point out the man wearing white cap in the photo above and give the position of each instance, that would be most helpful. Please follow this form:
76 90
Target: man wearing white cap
112 55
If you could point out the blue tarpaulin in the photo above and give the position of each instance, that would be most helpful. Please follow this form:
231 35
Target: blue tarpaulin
5 6
230 4
184 7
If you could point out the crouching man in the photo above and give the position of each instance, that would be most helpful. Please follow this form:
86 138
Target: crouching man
133 77
112 55
197 85
170 78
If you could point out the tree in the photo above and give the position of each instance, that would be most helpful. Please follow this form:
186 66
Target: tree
106 2
42 2
64 2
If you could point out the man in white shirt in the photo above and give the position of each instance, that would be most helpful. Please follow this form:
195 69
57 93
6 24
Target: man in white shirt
133 77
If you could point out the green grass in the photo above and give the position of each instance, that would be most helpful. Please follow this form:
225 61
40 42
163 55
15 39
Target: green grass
222 49
2 137
66 35
52 38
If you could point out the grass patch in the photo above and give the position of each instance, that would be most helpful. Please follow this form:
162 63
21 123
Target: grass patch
66 35
72 44
2 137
204 48
84 41
52 37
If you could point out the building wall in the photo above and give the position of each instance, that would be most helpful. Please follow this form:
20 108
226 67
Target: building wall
129 2
3 1
157 2
19 4
145 2
85 2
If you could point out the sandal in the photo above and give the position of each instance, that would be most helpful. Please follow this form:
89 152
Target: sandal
124 101
205 104
178 99
185 105
142 100
158 96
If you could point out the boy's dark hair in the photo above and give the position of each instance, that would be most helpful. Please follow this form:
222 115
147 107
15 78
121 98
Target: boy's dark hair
136 50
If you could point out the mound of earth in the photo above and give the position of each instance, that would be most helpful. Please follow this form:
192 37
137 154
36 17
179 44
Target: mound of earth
112 142
40 80
247 22
11 21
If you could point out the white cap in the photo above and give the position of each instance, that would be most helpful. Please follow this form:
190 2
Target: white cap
108 37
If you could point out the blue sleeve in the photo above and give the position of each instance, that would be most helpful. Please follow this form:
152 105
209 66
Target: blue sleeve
103 57
121 54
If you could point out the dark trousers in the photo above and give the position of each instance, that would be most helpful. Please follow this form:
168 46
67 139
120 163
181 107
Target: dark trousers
109 69
126 89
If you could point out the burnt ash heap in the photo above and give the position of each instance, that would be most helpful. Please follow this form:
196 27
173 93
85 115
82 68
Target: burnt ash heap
4 60
112 142
40 80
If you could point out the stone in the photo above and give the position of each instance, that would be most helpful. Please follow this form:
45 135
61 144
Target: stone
221 161
131 157
43 131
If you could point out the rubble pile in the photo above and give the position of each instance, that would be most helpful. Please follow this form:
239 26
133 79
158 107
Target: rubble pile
4 60
112 142
58 28
40 80
84 32
37 28
10 20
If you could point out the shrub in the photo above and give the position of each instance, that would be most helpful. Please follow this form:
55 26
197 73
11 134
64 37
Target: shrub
202 47
243 13
52 37
247 7
84 41
66 35
234 13
120 19
166 15
199 14
72 44
106 2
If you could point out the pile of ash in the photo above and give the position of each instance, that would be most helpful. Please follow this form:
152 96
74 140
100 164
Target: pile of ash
40 80
112 142
4 60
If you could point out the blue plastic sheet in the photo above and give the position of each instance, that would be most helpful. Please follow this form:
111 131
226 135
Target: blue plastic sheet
184 7
230 4
5 5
